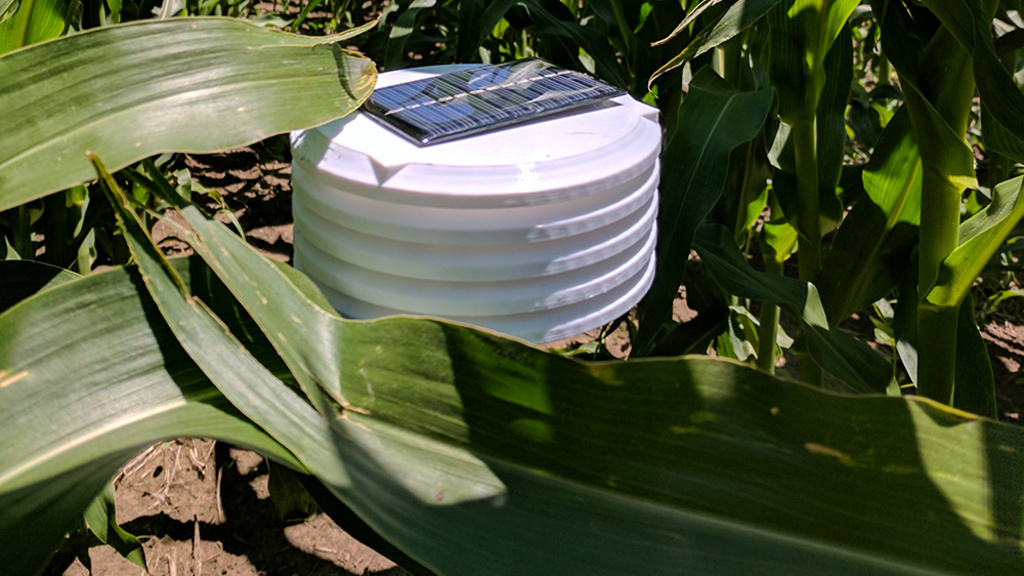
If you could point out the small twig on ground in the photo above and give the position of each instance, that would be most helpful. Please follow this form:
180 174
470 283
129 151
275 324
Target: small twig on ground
221 516
174 469
194 457
197 557
137 463
209 454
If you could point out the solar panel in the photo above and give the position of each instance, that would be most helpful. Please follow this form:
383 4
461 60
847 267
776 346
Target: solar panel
467 102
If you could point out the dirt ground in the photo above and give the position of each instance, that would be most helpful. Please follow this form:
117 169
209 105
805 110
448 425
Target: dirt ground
204 508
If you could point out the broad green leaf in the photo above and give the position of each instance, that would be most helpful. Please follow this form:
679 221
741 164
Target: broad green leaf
467 464
830 143
1003 103
243 380
740 16
713 119
32 21
892 178
980 238
848 359
780 240
691 16
545 22
190 85
731 270
116 397
912 51
470 33
8 8
686 465
115 10
102 521
975 389
831 127
801 34
836 352
292 501
401 31
871 248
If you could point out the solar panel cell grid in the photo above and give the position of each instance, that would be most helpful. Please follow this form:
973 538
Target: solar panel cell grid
467 102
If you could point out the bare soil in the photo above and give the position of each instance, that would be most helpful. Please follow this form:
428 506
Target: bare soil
204 509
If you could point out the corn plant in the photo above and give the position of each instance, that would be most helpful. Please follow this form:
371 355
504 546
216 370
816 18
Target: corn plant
463 451
902 205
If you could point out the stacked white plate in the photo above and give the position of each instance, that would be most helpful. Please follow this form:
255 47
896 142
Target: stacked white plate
541 231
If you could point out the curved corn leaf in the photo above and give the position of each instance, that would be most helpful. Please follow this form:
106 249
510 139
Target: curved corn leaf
729 267
102 521
188 85
740 16
801 35
7 9
830 130
401 31
24 22
84 385
691 17
838 353
1002 101
528 462
489 437
714 119
872 246
469 33
980 238
975 389
544 21
912 51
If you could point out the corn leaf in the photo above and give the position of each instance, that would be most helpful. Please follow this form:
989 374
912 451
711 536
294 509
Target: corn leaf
838 353
471 451
186 85
691 17
801 34
872 246
545 22
714 119
532 463
102 521
24 22
975 389
740 16
7 9
980 238
402 31
1003 103
84 387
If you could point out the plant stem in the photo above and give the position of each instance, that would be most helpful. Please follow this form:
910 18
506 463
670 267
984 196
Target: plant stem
769 323
629 42
805 143
940 218
951 95
21 234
